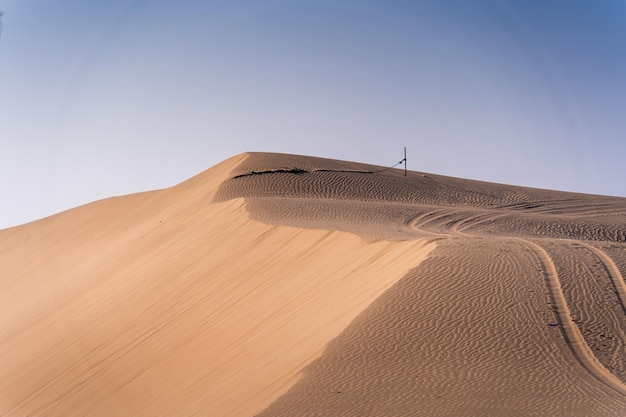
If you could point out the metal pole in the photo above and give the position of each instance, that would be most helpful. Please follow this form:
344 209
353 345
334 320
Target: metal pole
405 161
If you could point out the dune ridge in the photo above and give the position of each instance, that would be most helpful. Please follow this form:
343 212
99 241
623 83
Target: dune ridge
282 285
166 303
393 207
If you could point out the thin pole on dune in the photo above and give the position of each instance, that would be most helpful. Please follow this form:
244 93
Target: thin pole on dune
404 161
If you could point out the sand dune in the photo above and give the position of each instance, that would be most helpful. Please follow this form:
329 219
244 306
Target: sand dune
283 285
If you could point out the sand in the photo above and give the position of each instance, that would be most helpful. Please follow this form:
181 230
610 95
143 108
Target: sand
284 285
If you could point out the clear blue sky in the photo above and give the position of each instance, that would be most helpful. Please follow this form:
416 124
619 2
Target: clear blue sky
103 98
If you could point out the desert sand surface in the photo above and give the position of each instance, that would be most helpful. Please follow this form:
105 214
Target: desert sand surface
285 285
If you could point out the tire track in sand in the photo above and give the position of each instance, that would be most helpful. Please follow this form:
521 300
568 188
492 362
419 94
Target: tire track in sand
439 222
573 336
613 270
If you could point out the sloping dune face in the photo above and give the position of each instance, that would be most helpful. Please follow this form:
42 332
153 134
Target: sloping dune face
521 309
282 285
169 303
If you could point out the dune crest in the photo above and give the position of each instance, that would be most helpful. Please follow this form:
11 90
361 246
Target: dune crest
541 226
282 285
166 303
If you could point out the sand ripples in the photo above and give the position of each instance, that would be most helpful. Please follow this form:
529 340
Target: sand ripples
519 301
238 292
455 336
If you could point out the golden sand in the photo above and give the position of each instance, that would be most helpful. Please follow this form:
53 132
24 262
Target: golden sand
283 285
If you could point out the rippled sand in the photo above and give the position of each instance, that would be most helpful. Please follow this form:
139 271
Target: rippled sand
283 285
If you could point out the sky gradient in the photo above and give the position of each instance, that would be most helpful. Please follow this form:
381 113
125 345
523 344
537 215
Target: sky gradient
109 98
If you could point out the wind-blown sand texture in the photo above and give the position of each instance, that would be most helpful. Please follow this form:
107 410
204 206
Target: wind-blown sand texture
283 285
